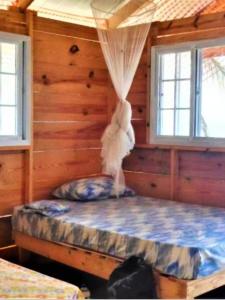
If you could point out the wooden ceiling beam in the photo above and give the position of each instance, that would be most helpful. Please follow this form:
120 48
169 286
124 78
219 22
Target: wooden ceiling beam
23 4
125 12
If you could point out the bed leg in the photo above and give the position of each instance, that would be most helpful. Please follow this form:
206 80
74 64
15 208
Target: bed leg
171 288
23 255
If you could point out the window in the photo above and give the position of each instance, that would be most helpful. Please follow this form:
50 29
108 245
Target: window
188 94
14 89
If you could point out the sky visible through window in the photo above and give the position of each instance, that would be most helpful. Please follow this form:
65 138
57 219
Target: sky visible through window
213 94
8 90
175 94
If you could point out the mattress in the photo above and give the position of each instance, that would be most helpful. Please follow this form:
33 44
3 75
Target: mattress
17 282
183 240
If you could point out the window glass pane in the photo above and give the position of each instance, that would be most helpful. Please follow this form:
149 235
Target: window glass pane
7 89
8 58
167 95
8 121
182 122
183 94
168 66
166 122
184 59
211 118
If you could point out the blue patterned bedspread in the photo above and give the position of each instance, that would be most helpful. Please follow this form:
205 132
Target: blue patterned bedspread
187 241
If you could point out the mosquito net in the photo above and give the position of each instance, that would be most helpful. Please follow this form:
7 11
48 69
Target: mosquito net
122 28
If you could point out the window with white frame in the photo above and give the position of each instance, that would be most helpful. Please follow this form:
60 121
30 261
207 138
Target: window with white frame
188 94
14 89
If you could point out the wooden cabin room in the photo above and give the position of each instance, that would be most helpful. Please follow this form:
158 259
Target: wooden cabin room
112 149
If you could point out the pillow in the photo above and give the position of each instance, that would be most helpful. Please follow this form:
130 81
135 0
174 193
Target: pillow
86 189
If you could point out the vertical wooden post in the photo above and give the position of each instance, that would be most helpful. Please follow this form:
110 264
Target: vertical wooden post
29 152
173 174
151 36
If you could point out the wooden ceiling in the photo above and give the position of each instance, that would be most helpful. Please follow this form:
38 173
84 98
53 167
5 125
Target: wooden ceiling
79 11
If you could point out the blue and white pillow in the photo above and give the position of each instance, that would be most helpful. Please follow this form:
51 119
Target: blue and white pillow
87 189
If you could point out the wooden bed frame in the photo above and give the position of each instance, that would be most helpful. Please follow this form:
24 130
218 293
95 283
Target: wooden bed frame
102 265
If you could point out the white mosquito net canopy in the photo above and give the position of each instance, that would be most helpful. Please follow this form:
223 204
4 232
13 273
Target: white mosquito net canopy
122 28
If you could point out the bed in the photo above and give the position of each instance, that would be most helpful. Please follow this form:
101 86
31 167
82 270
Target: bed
185 243
17 282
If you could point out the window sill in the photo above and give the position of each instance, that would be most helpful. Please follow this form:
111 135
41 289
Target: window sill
18 146
181 148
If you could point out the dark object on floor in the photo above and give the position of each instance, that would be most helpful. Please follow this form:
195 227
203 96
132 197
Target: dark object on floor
133 279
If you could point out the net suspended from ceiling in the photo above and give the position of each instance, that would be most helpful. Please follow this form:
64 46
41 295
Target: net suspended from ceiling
122 28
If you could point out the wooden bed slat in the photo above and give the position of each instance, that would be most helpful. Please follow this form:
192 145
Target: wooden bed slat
92 262
102 265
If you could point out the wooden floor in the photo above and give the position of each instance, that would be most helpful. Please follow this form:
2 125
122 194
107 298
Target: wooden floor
97 286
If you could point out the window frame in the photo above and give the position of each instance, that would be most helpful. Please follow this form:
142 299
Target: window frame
23 71
195 81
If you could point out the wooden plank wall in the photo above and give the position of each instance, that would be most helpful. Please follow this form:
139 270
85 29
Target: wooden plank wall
69 112
70 104
187 174
12 160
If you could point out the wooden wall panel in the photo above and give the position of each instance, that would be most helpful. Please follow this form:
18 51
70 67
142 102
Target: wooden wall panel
149 184
53 168
148 172
55 49
70 87
148 161
64 29
70 106
5 231
11 181
137 94
202 165
67 135
201 178
140 131
12 162
50 73
201 191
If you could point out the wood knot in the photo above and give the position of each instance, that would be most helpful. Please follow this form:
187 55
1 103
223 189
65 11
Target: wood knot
141 157
45 79
196 21
140 110
85 112
88 85
74 49
91 74
169 25
153 185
